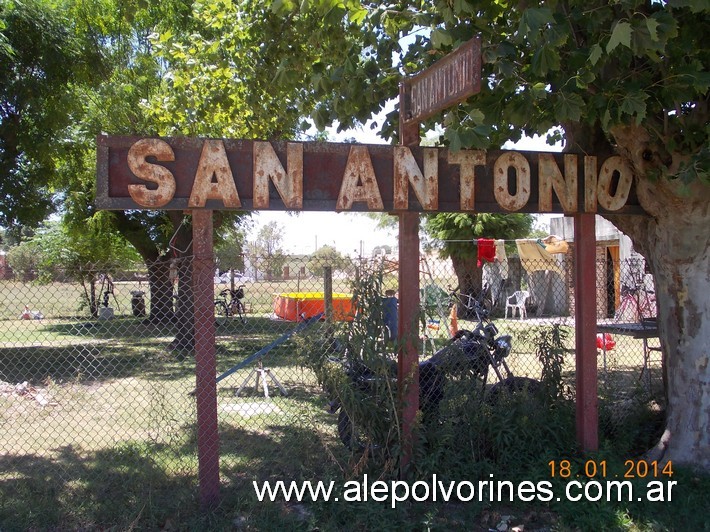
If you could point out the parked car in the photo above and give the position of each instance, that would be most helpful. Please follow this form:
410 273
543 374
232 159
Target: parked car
226 278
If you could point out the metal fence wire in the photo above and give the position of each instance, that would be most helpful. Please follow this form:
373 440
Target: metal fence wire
97 373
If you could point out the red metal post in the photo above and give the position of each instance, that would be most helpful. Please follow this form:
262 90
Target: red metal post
585 331
408 362
408 328
205 359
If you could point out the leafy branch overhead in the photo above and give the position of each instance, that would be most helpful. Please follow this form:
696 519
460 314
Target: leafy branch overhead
597 63
627 78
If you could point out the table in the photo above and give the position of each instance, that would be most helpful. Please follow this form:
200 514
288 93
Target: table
635 330
648 328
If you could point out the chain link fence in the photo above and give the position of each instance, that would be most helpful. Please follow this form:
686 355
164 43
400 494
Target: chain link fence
97 370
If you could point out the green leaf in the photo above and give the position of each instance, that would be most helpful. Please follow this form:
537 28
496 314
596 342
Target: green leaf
621 34
454 139
652 25
477 116
545 59
533 20
584 78
320 118
440 38
358 16
696 6
538 17
540 91
281 6
569 108
634 104
489 55
595 53
165 36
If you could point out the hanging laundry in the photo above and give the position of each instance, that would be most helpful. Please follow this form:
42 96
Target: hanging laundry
554 244
534 257
486 250
502 258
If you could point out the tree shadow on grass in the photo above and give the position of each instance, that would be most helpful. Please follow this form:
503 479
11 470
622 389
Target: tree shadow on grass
135 330
146 485
112 488
69 363
87 361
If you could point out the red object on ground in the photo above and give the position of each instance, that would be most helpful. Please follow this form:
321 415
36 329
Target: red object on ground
605 341
297 306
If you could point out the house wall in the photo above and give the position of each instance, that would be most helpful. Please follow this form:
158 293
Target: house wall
629 270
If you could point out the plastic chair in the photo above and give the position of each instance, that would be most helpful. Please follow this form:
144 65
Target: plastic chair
517 302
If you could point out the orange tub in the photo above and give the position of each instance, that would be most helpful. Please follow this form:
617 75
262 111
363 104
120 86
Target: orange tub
296 306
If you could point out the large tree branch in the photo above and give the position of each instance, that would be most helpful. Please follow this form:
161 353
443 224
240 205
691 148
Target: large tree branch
136 234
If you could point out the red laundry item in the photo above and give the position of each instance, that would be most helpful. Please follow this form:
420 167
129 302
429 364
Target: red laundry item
486 250
605 341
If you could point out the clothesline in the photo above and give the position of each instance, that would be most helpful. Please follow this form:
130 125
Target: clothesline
535 254
475 240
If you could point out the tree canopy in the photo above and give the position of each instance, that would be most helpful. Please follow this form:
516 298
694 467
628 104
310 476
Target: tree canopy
628 78
38 98
560 65
326 256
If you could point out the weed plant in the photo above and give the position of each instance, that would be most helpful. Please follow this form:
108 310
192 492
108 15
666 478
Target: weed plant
356 366
469 435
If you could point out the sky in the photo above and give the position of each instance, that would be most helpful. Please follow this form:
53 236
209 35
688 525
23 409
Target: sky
305 232
349 233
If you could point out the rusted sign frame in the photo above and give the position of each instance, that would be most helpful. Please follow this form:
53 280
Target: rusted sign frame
182 173
449 81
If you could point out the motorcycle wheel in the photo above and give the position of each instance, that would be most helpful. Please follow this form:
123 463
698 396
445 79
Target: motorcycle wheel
513 385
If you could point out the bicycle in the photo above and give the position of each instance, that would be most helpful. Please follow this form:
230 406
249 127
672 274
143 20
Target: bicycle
468 303
229 303
636 299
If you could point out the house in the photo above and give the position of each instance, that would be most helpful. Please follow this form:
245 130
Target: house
618 265
551 282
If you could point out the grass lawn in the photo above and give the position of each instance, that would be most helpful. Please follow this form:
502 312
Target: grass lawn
104 437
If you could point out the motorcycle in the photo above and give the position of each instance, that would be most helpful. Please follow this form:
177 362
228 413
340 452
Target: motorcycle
470 353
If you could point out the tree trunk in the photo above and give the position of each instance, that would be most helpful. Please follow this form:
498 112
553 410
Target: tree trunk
93 302
675 240
184 304
164 307
184 308
470 280
161 292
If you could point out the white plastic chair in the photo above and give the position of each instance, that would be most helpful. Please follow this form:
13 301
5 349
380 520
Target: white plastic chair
517 302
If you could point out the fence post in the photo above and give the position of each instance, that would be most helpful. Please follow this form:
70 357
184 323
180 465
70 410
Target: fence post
205 359
408 362
585 310
328 294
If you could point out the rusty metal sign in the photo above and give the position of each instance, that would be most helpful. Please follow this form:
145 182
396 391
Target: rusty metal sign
192 173
447 82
